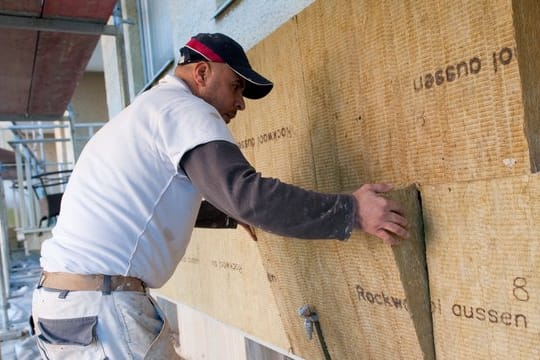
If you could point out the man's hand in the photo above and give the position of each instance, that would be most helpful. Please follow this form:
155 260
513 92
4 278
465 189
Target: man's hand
378 215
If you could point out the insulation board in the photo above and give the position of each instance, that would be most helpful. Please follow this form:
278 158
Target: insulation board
483 258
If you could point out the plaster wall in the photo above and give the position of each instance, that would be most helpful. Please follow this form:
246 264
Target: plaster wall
89 101
247 21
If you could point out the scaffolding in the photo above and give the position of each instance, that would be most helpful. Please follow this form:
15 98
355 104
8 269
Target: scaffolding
35 164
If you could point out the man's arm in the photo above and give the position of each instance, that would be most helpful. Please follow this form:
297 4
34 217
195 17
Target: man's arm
226 179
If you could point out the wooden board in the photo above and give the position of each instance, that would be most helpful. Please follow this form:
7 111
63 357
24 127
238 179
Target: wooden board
41 69
16 76
21 7
95 10
60 61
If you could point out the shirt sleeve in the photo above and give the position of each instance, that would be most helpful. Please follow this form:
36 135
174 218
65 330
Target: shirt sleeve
182 127
225 178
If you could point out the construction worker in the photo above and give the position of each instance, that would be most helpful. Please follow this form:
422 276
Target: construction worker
134 195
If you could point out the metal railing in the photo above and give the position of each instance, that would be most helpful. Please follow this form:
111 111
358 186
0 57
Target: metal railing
29 142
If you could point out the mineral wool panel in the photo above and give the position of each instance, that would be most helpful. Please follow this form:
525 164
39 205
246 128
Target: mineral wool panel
222 275
484 257
402 91
372 300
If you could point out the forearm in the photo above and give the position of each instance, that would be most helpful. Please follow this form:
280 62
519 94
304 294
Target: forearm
226 179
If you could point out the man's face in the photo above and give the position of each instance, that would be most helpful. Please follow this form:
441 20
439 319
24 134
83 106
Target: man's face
223 90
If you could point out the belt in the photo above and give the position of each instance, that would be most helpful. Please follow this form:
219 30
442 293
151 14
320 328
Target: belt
78 282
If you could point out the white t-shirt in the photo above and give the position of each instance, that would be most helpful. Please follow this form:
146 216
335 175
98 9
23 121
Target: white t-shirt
128 209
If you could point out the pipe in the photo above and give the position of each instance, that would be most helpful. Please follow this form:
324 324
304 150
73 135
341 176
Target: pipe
4 269
4 240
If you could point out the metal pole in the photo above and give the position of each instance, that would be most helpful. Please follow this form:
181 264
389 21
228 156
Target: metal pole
23 164
33 126
121 55
20 183
4 275
41 145
32 210
4 304
4 240
73 153
36 141
16 208
56 25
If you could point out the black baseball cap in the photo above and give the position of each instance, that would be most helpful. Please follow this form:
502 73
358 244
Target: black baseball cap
222 49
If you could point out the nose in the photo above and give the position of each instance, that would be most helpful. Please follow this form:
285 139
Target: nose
240 104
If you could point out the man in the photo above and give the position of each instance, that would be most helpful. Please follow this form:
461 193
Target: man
133 198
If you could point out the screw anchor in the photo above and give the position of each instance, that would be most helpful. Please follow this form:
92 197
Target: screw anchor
311 320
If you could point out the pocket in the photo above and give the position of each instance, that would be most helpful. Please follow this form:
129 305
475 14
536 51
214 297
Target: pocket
163 345
69 338
78 331
141 322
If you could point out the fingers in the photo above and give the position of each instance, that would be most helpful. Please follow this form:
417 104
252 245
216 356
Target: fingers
387 238
392 231
396 229
380 216
398 218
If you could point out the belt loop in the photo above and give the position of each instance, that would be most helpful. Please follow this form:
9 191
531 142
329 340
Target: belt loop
41 279
106 287
32 325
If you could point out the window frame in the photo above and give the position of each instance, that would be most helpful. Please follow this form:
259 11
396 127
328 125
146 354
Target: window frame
222 5
151 73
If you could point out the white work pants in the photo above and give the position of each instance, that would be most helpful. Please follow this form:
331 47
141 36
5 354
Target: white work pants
84 325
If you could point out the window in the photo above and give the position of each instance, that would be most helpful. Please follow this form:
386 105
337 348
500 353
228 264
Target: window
156 38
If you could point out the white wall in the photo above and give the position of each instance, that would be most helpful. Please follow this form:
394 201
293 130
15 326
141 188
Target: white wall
247 21
110 72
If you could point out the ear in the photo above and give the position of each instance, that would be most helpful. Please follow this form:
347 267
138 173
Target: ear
201 71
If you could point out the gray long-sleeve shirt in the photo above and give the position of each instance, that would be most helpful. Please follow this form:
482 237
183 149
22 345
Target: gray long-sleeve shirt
225 178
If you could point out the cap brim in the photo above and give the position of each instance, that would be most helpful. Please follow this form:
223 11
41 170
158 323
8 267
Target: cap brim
257 86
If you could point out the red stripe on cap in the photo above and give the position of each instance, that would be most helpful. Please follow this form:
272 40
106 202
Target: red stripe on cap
204 50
